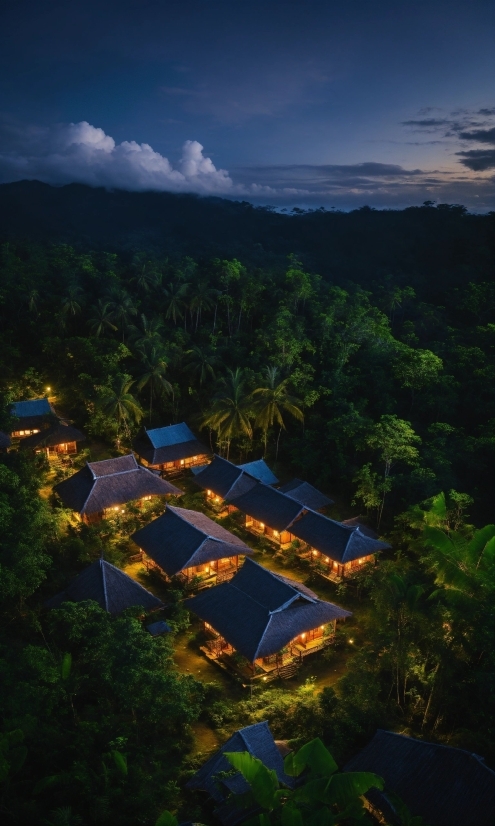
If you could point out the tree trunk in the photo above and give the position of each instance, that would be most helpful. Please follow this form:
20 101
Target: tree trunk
278 440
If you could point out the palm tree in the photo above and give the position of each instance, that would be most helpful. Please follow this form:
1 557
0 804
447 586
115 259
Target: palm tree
203 298
121 306
116 401
148 331
175 295
33 298
272 401
200 364
146 274
230 412
100 319
72 301
155 366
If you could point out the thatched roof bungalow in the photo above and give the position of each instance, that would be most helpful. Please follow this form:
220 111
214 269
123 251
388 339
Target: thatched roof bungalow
188 543
110 587
269 512
212 777
269 619
57 439
223 481
171 448
100 487
306 494
338 549
32 416
443 785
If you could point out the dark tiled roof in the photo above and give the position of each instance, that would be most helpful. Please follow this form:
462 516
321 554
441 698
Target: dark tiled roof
168 444
224 478
339 542
111 588
5 440
112 482
56 434
259 612
258 741
260 470
33 408
157 628
355 522
444 785
183 538
306 494
269 506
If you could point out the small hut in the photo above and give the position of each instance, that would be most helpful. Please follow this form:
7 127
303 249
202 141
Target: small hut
223 481
337 549
170 449
188 544
443 785
272 621
269 512
217 778
110 587
306 495
32 416
56 440
100 488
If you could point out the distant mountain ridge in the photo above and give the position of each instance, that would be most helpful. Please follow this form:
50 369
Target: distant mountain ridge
429 246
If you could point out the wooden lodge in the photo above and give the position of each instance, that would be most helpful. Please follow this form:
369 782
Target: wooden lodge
189 545
216 778
58 439
269 513
170 449
101 489
111 588
441 785
31 417
306 495
271 621
223 481
335 550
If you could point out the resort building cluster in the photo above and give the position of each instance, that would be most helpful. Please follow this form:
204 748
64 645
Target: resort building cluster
257 623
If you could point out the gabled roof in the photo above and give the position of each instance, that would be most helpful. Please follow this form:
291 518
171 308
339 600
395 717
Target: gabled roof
32 408
356 522
258 741
224 478
111 482
306 494
269 506
444 785
341 543
168 444
183 538
260 470
259 612
110 587
56 434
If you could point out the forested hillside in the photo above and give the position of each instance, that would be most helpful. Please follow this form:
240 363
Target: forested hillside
354 351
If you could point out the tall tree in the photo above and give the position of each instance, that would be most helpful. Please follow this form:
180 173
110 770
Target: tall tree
154 367
100 318
122 308
175 299
116 401
230 412
271 401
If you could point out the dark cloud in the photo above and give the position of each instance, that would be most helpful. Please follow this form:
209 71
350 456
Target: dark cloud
479 160
480 135
487 112
427 123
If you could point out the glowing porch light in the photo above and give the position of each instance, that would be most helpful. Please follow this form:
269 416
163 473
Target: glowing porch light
303 636
351 641
276 533
208 492
48 389
327 559
314 553
262 524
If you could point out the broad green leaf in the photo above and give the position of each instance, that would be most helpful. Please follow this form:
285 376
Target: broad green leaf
120 761
166 819
66 666
263 782
438 510
343 789
291 816
438 539
311 791
314 756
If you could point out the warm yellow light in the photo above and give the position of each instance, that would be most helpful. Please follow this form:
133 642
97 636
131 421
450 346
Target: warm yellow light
182 461
116 509
360 561
276 533
264 678
314 553
48 389
351 641
322 627
208 492
262 524
217 499
303 636
327 559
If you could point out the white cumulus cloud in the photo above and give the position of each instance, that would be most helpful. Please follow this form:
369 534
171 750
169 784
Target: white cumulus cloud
84 153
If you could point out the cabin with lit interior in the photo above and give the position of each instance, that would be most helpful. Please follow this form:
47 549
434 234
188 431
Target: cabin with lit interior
271 621
58 439
223 481
102 489
31 416
170 449
335 550
189 545
269 513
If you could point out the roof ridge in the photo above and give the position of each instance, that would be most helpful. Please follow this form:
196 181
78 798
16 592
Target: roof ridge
105 595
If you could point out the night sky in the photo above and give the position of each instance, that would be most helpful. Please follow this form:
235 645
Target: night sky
309 103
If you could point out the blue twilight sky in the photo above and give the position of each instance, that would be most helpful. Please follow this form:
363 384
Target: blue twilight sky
377 102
